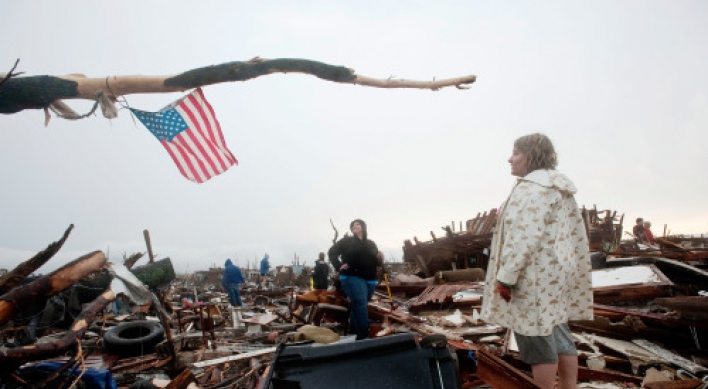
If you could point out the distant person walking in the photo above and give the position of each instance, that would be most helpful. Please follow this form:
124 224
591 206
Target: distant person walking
357 272
320 277
231 282
265 268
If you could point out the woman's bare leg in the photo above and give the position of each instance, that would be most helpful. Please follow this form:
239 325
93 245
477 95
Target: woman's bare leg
545 374
568 371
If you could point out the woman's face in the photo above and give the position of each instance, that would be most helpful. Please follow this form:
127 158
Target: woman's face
357 230
518 164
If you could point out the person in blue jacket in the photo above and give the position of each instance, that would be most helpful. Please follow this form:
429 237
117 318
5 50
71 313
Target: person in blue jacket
231 281
265 268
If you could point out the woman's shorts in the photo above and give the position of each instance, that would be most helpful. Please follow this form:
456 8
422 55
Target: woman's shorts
545 349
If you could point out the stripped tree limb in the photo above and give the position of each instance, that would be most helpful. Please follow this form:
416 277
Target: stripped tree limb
50 284
38 92
10 359
14 277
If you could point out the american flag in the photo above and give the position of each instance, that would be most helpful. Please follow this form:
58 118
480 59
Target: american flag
190 133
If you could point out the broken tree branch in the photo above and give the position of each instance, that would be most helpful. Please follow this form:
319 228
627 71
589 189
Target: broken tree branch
11 358
336 233
38 92
10 74
14 277
49 285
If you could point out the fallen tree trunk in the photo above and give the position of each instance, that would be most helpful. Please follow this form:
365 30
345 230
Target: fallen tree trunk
14 277
49 285
12 358
38 92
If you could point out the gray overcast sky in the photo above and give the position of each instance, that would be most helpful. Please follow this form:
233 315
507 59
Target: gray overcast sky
621 88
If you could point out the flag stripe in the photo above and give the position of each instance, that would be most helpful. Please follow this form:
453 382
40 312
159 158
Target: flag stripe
205 129
218 136
195 157
182 161
196 145
202 128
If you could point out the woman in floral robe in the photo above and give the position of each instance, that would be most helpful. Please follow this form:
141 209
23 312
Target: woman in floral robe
539 273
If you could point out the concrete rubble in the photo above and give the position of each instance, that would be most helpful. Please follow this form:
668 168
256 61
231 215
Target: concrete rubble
105 327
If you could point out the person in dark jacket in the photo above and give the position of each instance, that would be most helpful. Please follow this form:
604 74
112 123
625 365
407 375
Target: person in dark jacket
638 231
320 277
357 272
231 282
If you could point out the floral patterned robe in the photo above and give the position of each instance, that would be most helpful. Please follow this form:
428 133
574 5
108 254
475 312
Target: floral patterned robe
540 246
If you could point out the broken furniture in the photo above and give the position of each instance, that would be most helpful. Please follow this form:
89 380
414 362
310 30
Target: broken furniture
207 326
324 305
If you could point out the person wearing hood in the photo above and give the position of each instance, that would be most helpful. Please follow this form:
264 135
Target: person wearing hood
320 277
357 273
231 282
539 272
265 268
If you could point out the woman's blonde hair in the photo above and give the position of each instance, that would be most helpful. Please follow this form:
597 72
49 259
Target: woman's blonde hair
538 150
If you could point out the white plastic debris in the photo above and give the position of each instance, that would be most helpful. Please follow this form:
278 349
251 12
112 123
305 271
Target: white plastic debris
454 320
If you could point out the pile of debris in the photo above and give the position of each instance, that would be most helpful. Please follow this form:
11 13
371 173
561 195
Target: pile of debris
95 324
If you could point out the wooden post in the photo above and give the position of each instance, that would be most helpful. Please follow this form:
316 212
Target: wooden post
146 234
168 334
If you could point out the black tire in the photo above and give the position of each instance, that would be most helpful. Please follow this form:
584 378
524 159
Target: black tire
133 338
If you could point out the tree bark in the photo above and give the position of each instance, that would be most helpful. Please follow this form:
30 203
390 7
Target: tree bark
14 277
10 359
38 92
49 285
